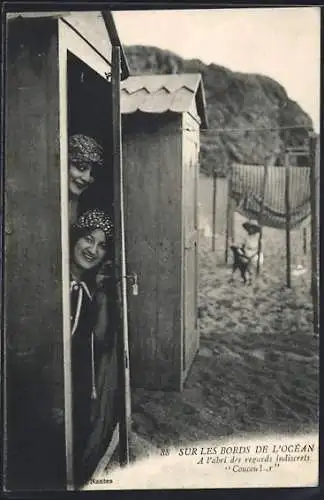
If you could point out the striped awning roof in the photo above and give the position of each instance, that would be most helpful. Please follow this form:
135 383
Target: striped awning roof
247 183
162 93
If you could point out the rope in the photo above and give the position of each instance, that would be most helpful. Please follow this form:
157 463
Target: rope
82 287
242 129
78 285
93 369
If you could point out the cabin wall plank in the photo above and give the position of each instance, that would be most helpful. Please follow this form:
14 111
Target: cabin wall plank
153 247
190 169
33 275
169 256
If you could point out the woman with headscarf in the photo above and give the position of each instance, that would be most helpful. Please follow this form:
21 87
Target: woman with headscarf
85 155
91 241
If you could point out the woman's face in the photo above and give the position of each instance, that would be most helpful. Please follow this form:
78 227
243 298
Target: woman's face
90 250
80 178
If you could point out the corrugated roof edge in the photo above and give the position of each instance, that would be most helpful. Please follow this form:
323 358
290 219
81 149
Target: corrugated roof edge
115 40
198 91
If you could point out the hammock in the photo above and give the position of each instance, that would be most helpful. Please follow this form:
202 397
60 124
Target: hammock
247 183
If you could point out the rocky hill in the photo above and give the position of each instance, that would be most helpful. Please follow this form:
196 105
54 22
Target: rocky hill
236 103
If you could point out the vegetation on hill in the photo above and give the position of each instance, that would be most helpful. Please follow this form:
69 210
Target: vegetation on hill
241 108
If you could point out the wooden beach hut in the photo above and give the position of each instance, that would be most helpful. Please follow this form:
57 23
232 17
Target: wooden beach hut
161 120
63 72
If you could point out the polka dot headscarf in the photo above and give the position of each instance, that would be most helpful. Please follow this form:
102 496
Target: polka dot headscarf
85 150
95 219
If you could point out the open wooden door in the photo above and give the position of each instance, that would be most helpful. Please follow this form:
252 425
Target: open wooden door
120 265
57 81
93 108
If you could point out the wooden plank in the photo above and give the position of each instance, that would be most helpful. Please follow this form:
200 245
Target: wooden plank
288 221
232 219
153 252
91 27
191 239
63 114
120 264
314 186
141 212
190 160
197 170
33 261
182 214
169 255
304 240
264 185
81 49
214 211
229 216
222 185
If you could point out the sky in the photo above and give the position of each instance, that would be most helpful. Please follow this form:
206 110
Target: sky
282 43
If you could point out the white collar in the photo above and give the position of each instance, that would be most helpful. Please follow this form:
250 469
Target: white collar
78 284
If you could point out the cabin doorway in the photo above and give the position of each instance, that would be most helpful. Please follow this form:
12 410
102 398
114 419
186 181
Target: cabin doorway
58 77
90 115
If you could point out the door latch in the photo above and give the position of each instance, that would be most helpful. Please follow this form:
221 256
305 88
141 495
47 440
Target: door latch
134 283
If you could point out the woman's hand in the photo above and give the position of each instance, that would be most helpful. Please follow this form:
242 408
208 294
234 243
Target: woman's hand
103 275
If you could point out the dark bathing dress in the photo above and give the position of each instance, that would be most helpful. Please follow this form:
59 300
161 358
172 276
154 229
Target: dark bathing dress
83 384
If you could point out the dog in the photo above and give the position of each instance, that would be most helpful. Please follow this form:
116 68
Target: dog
243 263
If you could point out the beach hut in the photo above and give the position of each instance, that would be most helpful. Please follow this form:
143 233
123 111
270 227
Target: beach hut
161 120
63 71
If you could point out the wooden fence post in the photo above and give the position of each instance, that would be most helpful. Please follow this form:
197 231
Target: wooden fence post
229 215
265 178
232 219
288 220
304 240
214 211
314 191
